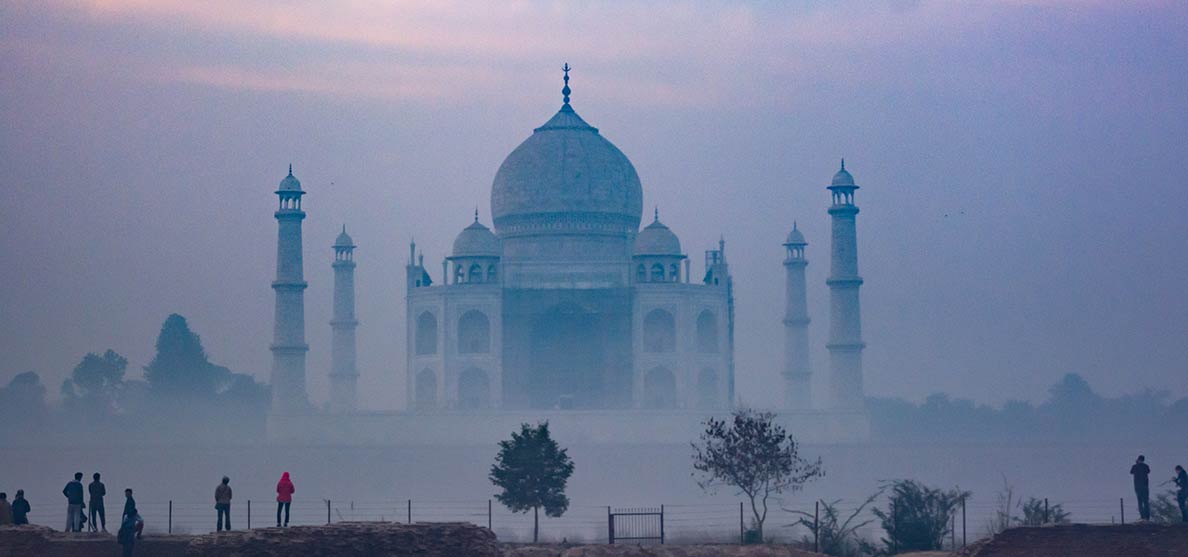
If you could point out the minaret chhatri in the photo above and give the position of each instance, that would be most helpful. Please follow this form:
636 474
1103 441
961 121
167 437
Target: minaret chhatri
845 316
288 338
797 373
343 373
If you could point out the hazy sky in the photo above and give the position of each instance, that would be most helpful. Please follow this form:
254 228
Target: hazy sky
1023 196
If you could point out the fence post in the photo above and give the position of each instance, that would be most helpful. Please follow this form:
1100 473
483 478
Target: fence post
895 527
170 516
742 531
610 526
489 514
410 511
953 530
1045 510
817 526
1122 508
249 514
661 524
327 511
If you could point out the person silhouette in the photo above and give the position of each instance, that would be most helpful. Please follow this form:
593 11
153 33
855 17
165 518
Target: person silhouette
1142 486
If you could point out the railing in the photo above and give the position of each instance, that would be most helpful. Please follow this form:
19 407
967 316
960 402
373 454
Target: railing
724 522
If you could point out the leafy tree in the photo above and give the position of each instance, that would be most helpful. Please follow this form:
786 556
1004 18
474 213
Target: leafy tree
838 535
917 516
96 384
1034 513
1164 509
753 454
532 471
181 369
23 400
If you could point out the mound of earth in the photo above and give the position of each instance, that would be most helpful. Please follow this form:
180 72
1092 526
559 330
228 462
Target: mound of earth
709 550
1081 540
345 539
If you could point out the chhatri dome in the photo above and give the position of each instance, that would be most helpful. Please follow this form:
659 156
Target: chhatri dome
476 240
657 239
843 178
344 240
795 238
565 176
290 183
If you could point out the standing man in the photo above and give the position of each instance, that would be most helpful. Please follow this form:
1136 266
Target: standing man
98 490
1182 492
1142 488
130 511
74 503
6 510
223 503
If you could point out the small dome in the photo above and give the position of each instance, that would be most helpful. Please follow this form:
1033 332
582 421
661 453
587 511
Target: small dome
290 183
477 240
843 178
657 239
344 240
795 238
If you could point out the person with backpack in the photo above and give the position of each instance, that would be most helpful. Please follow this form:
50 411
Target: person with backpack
284 498
128 533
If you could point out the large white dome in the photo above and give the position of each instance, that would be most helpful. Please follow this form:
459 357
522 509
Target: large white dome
566 176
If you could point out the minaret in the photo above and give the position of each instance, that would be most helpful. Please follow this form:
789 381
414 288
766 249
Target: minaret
797 373
288 338
343 373
845 316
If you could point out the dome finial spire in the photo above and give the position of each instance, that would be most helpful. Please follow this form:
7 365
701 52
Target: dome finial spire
476 214
656 215
843 163
344 228
290 169
565 90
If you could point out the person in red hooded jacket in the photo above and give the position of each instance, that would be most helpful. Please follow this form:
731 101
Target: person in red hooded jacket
284 498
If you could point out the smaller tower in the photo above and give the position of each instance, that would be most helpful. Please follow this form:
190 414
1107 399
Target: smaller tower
797 373
343 372
845 315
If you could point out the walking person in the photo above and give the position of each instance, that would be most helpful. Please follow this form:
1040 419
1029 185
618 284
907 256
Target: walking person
20 509
1142 487
128 532
74 503
284 498
6 510
97 490
1182 492
223 503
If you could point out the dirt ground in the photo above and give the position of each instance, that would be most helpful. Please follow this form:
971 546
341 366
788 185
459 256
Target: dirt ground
1080 540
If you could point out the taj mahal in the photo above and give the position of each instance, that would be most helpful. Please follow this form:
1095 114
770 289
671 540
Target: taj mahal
565 309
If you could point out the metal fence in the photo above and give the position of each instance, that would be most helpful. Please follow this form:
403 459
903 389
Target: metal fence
679 523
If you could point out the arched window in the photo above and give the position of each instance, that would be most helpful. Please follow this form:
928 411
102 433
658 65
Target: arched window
657 273
707 333
426 334
641 274
475 274
707 389
474 390
426 389
458 275
492 274
659 332
474 333
674 274
659 389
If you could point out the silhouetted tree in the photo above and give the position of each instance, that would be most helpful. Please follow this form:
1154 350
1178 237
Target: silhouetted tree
837 535
22 402
1035 513
96 384
754 454
181 369
532 471
917 516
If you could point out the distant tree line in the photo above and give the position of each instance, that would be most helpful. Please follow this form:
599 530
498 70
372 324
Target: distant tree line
1072 413
182 392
